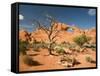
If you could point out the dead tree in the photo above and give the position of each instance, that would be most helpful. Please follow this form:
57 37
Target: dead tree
50 31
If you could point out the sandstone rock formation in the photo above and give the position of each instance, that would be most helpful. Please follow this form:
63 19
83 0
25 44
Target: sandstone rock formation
63 35
24 35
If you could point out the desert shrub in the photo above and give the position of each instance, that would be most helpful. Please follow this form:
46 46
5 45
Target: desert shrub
68 59
93 46
59 50
23 46
93 49
64 44
72 46
90 45
38 45
71 61
36 42
44 45
89 59
35 47
81 39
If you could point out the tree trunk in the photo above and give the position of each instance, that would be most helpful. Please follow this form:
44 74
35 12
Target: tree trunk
50 50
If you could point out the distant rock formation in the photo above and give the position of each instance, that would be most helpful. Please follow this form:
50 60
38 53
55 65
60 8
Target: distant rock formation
60 26
64 35
24 35
38 35
92 33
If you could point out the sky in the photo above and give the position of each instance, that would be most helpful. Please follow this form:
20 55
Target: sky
84 18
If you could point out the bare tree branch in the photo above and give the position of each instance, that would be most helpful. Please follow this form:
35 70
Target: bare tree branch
51 32
39 24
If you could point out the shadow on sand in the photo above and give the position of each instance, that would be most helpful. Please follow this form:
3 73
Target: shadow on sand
30 62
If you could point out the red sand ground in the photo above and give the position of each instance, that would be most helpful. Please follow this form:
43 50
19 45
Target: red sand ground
49 62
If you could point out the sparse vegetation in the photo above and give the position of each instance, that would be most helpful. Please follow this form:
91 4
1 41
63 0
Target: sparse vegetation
81 39
38 45
69 61
23 46
89 59
89 45
60 50
93 49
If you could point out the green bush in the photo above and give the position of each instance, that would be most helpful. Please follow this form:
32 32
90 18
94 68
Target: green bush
81 39
89 59
59 50
44 45
23 46
38 45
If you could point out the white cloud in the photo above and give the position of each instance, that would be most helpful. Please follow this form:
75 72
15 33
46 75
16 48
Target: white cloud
91 12
21 17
